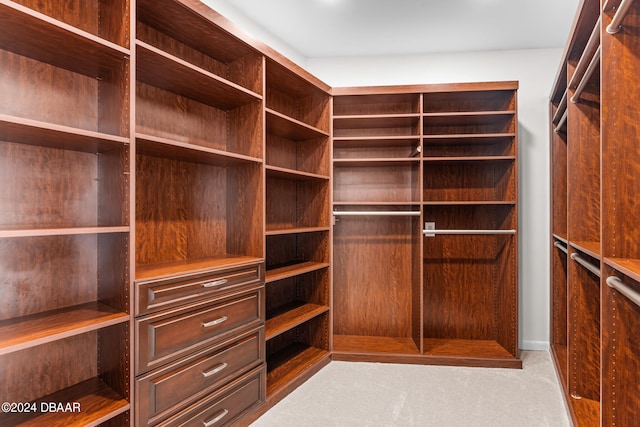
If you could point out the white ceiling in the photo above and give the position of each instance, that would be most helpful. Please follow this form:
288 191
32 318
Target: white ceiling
322 28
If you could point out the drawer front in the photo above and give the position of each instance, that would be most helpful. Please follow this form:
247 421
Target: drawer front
167 389
153 296
170 335
227 406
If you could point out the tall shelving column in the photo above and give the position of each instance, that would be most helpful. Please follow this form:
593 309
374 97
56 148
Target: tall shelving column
620 282
470 214
64 223
297 227
583 224
199 203
377 181
559 243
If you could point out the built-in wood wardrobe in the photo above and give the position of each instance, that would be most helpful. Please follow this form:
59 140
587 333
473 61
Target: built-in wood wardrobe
595 156
191 225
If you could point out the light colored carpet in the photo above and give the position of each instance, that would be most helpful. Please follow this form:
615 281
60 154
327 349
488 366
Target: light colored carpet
377 394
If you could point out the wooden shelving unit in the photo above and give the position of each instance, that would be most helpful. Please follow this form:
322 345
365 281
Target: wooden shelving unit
594 278
64 227
298 228
403 156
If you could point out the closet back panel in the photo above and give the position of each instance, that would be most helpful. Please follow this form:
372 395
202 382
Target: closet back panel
466 181
584 324
373 299
376 104
31 89
376 183
559 302
469 101
559 188
311 155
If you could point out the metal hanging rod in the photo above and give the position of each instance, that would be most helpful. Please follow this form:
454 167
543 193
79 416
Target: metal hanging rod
587 54
562 121
617 284
433 232
562 247
616 22
587 75
586 264
376 213
562 107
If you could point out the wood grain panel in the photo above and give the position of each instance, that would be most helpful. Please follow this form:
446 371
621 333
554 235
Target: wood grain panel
294 248
37 266
559 297
245 211
486 100
245 130
383 289
470 181
620 136
584 332
180 210
506 293
376 104
363 149
470 148
113 99
104 18
501 124
460 286
46 187
383 183
559 184
114 365
39 371
39 91
113 187
164 114
620 356
583 170
310 155
174 47
187 25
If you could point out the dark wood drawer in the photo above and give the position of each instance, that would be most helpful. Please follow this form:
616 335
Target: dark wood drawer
169 335
155 295
225 407
168 389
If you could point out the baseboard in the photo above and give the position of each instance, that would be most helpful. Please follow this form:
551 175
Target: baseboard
535 345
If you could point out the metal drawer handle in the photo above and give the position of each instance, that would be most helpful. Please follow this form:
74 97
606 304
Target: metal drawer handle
215 322
217 418
215 370
215 283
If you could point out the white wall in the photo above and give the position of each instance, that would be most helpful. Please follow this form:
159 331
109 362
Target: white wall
535 70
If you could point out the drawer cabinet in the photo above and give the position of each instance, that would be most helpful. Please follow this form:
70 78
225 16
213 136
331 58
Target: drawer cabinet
200 346
226 406
166 336
155 295
166 389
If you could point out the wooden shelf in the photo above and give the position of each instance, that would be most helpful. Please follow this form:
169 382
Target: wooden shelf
470 203
466 117
373 344
43 232
293 270
469 159
465 348
98 403
165 71
590 248
188 152
380 203
296 230
282 319
284 367
628 267
35 35
33 132
180 268
29 331
586 411
285 173
467 138
361 141
287 127
379 162
376 121
559 352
